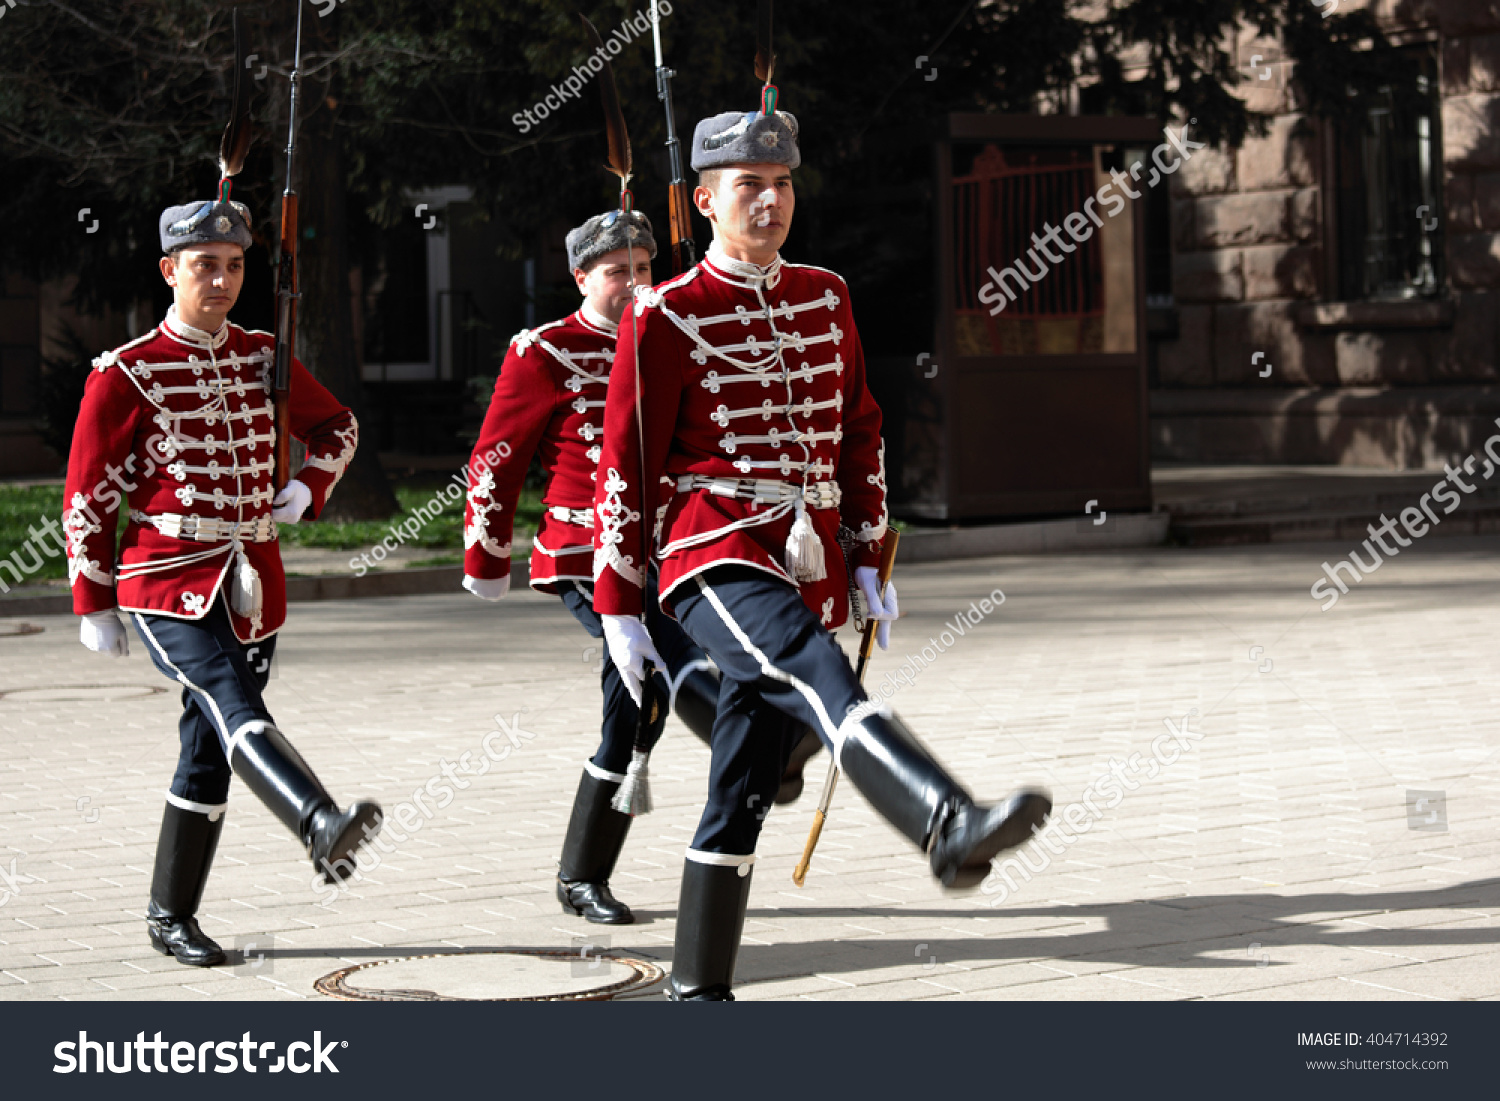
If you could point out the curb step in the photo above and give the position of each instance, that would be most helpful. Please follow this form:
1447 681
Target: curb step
1312 527
301 590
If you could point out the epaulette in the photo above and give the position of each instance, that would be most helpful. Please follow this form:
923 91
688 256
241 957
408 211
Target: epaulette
652 297
527 337
112 358
814 267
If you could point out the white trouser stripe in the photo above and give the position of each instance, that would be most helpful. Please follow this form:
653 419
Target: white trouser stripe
835 733
214 811
189 685
254 726
854 718
722 860
599 774
697 663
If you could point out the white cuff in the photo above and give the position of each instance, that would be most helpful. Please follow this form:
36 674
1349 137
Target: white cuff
487 588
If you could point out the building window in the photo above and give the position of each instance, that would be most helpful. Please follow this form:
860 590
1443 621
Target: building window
1390 243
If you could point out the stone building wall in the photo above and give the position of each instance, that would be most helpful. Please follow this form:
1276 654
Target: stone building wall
1396 384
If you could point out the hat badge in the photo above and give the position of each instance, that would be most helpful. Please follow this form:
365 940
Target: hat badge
223 224
770 139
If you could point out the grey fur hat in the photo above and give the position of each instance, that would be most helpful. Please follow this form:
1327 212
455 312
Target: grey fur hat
607 232
748 138
205 222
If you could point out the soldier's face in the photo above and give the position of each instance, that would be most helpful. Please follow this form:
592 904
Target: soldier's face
751 209
607 285
206 280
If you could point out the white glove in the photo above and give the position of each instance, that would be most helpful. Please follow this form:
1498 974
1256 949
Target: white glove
881 611
487 588
291 503
630 646
103 633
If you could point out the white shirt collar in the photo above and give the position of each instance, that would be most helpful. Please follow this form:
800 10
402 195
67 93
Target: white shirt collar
181 330
593 317
742 273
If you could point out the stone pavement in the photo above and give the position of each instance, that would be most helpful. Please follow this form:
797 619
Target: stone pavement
1282 854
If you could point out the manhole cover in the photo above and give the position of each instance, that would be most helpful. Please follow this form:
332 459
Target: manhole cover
492 975
11 630
81 693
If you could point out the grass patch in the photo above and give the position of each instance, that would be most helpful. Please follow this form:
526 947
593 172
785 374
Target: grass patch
445 531
22 507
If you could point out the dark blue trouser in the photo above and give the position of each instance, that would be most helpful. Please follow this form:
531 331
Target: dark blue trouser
620 712
222 680
779 669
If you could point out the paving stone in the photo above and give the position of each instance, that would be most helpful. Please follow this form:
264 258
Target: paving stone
1286 824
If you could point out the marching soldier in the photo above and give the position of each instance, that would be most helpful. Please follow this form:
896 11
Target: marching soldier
549 401
753 401
180 422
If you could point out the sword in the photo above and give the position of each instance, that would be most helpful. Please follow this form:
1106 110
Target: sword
866 648
634 796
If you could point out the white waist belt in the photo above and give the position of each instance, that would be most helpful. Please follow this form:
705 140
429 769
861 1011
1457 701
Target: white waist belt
765 491
579 517
209 529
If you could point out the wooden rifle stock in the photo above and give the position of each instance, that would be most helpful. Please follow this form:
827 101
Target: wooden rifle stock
684 251
679 209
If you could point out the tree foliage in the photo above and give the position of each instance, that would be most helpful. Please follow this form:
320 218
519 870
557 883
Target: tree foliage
117 105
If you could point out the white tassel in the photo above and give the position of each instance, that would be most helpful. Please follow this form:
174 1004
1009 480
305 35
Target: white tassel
804 549
634 795
246 596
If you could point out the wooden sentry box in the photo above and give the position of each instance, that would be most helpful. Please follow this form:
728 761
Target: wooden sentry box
1042 408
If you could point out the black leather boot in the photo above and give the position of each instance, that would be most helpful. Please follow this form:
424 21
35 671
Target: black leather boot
697 702
894 771
697 705
273 769
710 920
184 854
596 834
806 748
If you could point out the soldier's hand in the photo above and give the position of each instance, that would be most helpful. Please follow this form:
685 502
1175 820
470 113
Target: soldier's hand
882 609
291 503
630 647
487 588
103 633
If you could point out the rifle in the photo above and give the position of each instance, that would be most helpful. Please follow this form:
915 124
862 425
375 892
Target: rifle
286 290
684 251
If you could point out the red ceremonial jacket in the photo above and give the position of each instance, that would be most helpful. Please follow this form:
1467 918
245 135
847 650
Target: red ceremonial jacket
180 425
549 398
748 375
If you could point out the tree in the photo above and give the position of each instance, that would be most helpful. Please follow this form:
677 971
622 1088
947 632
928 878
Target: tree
118 106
